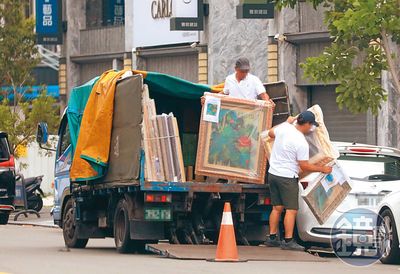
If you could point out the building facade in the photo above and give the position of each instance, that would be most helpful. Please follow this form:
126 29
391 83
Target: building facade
117 34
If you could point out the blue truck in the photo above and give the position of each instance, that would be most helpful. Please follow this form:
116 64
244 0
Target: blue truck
134 211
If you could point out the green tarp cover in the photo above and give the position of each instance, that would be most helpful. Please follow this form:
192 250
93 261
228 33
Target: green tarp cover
174 86
157 83
76 106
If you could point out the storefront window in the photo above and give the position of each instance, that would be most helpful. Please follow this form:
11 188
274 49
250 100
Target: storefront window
101 13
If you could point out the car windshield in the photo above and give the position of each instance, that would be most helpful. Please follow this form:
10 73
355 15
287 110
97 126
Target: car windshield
4 150
371 167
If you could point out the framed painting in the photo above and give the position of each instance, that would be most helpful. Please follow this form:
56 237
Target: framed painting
327 192
229 144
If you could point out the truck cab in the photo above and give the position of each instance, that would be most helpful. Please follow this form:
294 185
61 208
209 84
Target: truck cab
61 173
7 179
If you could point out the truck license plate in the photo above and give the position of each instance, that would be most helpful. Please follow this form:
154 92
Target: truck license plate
157 214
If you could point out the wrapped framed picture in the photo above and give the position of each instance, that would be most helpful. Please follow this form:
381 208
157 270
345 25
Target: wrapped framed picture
229 144
327 192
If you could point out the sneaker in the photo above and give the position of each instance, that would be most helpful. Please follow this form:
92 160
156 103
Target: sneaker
272 243
292 245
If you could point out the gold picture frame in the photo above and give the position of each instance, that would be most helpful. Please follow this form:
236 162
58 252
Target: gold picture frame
232 148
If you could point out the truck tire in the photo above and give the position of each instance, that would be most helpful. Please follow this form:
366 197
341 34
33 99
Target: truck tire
388 239
4 218
69 228
123 242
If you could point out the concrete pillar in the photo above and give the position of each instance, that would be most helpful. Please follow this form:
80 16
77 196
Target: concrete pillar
76 20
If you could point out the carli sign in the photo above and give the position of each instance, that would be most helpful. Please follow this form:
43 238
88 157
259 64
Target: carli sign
48 21
161 9
151 22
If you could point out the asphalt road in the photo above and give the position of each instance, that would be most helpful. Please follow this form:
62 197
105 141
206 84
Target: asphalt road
39 250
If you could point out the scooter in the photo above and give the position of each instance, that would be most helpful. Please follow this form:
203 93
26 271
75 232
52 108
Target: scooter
34 193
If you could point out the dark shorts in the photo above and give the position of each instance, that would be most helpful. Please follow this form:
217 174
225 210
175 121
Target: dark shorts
284 191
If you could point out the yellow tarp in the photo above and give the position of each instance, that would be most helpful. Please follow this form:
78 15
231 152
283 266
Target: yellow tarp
93 146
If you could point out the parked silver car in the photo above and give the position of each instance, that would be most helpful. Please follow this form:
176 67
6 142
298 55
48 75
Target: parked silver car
374 172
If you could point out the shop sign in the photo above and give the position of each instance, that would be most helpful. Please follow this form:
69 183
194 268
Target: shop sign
151 22
48 22
194 20
255 11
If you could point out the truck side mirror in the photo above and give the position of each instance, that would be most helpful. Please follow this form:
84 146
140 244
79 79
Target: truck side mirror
42 135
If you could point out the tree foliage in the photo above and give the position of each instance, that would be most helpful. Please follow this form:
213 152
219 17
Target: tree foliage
363 33
18 57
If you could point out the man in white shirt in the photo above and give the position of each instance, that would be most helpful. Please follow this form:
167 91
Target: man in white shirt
243 84
290 153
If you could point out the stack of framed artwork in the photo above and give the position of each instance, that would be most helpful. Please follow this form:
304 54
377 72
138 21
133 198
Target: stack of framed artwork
161 142
229 144
171 150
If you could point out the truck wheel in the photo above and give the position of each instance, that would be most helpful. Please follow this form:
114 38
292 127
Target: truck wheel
69 228
122 239
4 218
388 239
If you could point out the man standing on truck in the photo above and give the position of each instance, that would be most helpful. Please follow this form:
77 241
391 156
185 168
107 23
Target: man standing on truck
242 84
290 153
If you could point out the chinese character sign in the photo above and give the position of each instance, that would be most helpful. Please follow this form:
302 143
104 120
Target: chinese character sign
48 21
114 12
46 12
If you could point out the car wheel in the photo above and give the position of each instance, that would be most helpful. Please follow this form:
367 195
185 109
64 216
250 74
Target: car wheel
123 241
4 218
69 228
388 242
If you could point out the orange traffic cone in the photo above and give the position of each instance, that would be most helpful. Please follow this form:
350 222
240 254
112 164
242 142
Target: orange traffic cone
227 250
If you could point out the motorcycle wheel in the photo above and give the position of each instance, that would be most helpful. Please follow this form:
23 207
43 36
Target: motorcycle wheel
35 203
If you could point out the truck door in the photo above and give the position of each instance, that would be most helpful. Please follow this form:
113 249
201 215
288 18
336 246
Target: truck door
62 167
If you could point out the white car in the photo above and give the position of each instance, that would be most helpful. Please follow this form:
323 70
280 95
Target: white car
374 172
387 232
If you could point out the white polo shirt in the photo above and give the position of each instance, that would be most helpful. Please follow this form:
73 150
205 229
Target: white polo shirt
249 88
290 146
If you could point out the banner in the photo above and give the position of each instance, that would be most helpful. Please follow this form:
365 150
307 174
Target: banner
48 21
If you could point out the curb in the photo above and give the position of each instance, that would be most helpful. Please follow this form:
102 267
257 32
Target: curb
32 224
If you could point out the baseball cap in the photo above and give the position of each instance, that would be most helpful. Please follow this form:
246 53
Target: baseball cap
242 64
307 117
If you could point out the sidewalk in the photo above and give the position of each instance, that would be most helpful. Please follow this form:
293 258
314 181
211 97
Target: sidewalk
45 220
